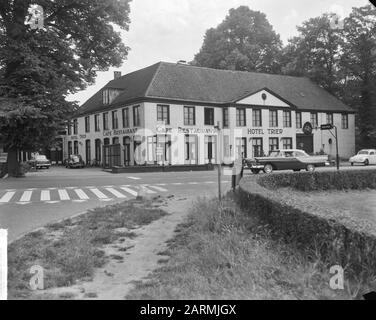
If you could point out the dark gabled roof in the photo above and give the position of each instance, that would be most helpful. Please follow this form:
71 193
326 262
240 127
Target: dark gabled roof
189 84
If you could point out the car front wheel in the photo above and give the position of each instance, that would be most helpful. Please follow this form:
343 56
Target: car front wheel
366 163
268 168
311 168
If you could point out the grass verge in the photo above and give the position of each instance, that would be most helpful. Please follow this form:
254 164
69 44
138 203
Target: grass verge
71 250
224 253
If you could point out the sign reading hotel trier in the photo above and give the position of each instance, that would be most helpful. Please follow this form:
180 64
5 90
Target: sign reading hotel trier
262 131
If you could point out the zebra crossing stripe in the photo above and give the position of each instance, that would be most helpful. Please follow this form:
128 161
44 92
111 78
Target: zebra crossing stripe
159 188
45 195
81 194
116 193
26 196
63 194
130 191
147 190
7 197
98 193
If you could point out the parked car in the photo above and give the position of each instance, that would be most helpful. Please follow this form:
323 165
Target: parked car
292 159
366 157
74 161
40 162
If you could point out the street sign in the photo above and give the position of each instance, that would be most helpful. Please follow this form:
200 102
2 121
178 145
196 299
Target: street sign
327 127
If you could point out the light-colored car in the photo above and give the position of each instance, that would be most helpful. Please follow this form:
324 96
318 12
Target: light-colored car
365 156
291 159
40 162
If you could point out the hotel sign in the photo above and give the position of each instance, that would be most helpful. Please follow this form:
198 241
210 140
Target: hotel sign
262 131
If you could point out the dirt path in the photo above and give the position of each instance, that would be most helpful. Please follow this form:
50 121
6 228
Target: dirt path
132 260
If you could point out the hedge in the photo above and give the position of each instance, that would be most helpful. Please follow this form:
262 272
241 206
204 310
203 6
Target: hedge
323 180
318 236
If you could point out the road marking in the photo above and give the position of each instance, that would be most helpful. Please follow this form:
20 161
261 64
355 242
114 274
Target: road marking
193 183
63 194
45 195
134 178
147 190
161 184
130 191
209 182
79 201
159 188
81 194
23 203
26 197
98 193
7 197
116 193
51 202
177 184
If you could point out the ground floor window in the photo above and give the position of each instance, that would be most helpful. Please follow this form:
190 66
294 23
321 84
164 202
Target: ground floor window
98 153
137 147
241 147
257 147
286 143
191 149
75 147
273 144
88 152
210 149
115 140
70 150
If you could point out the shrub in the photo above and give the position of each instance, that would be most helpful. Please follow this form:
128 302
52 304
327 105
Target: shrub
323 180
317 236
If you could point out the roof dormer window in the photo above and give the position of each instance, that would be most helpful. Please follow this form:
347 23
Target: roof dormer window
109 95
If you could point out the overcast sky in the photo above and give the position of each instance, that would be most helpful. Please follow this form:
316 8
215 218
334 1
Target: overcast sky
173 30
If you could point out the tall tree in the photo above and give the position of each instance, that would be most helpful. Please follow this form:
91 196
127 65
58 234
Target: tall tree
359 65
40 67
244 41
315 52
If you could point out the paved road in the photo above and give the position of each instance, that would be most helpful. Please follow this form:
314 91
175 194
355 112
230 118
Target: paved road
50 195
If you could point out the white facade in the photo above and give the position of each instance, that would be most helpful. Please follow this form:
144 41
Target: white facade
179 142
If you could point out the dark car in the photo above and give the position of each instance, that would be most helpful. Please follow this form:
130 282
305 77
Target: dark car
40 162
74 161
295 160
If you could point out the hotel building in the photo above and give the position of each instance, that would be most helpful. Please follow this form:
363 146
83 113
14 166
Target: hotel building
177 114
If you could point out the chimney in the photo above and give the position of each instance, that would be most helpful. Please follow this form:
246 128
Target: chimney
117 74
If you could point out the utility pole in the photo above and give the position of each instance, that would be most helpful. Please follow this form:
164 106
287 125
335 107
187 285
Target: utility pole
219 162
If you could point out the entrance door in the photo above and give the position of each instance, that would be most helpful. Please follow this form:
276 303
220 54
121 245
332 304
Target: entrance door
98 153
304 142
127 151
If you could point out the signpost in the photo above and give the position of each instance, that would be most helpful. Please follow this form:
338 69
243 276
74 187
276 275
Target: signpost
330 127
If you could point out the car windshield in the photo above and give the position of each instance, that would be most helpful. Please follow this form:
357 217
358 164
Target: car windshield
75 158
41 158
363 152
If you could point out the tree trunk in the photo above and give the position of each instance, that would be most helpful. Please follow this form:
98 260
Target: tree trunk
13 164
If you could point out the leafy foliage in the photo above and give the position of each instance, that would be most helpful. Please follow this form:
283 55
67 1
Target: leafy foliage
39 68
244 41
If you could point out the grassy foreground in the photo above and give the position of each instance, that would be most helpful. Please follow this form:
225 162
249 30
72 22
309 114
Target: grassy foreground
222 253
73 249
